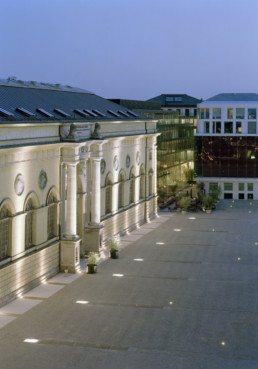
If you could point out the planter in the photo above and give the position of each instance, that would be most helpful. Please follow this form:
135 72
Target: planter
114 254
92 269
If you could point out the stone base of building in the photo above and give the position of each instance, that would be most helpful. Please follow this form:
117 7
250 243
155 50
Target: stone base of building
93 237
22 275
126 221
70 256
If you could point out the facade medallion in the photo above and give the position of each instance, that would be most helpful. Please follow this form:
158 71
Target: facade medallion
19 184
42 179
138 158
116 162
128 161
102 166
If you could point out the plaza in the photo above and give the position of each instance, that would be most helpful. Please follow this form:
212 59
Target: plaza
182 295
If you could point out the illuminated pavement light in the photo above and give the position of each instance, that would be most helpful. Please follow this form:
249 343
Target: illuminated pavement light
31 340
117 275
82 302
138 259
160 243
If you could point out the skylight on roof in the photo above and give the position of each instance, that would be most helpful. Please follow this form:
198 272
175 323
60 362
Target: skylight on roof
123 113
6 113
26 112
98 112
61 112
81 112
113 113
131 113
44 112
91 113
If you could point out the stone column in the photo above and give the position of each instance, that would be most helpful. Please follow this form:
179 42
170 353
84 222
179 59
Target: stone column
71 208
95 192
93 231
70 245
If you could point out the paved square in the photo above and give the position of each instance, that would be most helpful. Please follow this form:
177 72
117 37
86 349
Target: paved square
183 296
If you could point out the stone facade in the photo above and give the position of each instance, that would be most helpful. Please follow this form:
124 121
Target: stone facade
67 184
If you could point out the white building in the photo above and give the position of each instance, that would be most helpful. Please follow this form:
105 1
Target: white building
76 169
226 145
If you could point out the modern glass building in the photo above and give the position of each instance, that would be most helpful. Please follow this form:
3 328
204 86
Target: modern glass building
175 151
226 145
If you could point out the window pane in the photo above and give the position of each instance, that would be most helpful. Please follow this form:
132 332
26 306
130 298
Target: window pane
241 186
238 127
251 127
207 127
216 113
228 127
228 186
230 113
240 113
250 186
251 113
216 127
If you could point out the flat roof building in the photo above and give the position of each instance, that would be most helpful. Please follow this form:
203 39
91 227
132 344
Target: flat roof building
226 145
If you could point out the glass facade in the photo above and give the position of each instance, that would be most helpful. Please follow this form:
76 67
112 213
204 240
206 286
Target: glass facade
175 151
217 156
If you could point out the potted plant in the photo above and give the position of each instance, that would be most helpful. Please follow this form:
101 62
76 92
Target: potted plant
113 247
184 203
92 262
208 203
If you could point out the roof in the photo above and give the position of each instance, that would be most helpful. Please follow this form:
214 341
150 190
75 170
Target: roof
138 104
176 100
44 102
243 97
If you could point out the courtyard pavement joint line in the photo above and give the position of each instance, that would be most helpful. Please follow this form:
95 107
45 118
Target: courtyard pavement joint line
95 346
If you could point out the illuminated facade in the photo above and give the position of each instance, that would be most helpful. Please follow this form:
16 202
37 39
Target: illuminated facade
226 145
76 169
175 144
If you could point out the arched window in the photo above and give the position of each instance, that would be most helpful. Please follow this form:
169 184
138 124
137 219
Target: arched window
29 224
4 232
121 190
108 193
51 216
132 187
142 183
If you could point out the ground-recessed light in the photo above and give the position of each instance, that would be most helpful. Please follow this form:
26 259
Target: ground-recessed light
231 206
170 302
256 243
82 302
160 243
223 343
31 340
177 230
249 211
238 259
117 275
213 230
191 218
138 259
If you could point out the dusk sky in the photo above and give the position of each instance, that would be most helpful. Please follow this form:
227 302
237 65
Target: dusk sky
133 49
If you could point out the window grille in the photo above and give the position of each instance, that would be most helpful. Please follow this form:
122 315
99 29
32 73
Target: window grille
4 233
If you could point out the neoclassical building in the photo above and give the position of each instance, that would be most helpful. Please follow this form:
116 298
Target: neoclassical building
76 169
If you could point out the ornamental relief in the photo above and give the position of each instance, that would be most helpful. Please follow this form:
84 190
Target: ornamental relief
19 184
42 179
